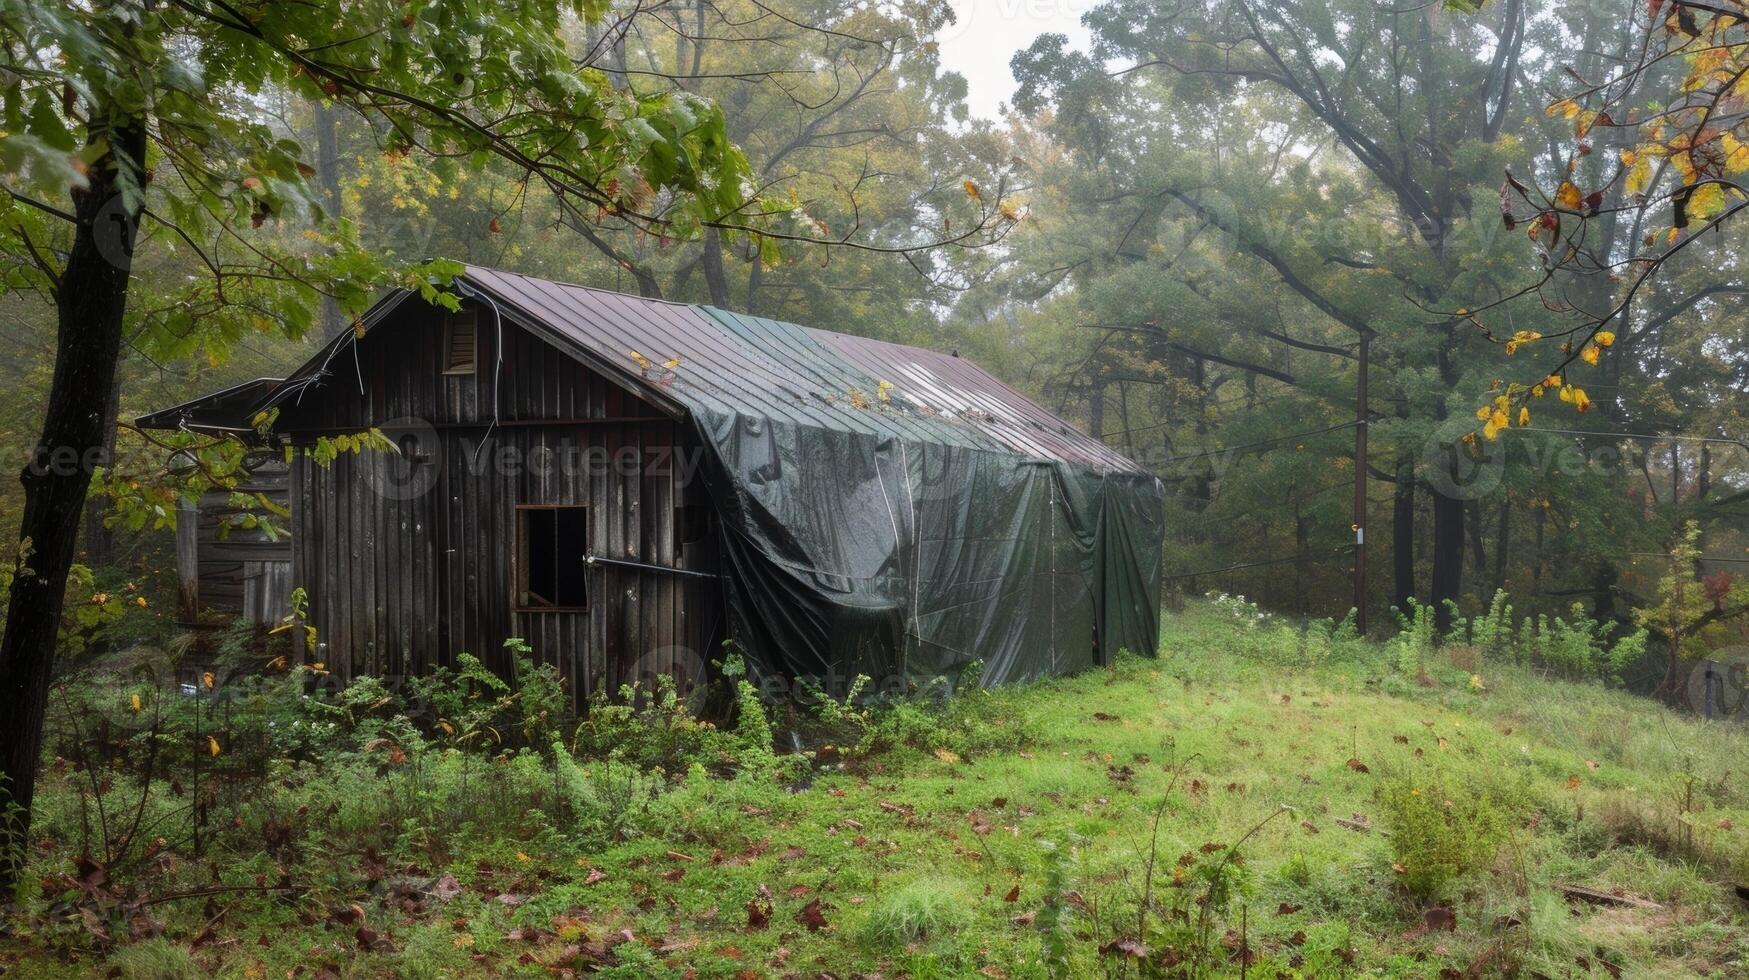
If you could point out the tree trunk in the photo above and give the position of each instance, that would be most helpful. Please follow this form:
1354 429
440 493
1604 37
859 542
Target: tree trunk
1473 526
1096 408
714 277
328 174
100 540
91 299
1671 688
1302 567
1502 545
1536 565
754 275
1448 556
1403 536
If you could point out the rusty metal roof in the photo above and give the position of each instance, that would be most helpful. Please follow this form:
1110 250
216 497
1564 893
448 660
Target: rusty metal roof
758 366
685 358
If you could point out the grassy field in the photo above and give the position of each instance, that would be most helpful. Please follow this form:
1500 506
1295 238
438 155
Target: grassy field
1245 802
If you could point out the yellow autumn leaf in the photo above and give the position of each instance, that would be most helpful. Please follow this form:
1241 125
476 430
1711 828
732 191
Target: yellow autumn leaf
1483 413
1496 422
1568 196
1523 417
1640 175
212 746
1736 153
1683 161
207 679
524 858
1707 200
135 701
972 191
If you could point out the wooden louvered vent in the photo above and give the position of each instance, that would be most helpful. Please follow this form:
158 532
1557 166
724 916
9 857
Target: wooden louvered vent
458 343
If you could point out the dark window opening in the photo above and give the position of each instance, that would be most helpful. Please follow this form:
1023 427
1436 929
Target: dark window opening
458 343
550 544
694 521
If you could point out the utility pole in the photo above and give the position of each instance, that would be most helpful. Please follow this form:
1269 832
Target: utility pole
1360 426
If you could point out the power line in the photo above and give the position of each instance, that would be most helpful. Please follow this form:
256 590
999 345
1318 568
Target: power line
1263 442
1719 440
1260 564
1660 554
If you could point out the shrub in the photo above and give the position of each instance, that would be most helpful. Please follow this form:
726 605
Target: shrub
1492 631
1577 647
654 731
1415 642
968 722
606 798
1441 829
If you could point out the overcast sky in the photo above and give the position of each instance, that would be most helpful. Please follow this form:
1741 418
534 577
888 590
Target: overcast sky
987 34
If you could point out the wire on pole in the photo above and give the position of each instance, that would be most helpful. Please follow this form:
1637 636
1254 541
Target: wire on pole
1260 564
1262 442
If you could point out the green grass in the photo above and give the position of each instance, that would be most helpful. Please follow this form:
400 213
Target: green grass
930 864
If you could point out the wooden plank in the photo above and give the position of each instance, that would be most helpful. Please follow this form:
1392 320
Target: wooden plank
1593 896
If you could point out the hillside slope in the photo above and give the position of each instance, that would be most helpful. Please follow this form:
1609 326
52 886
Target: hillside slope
1318 812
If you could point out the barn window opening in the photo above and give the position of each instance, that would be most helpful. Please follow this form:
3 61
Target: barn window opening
458 343
550 544
694 521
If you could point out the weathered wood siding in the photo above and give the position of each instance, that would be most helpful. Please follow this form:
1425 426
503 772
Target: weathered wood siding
410 560
241 572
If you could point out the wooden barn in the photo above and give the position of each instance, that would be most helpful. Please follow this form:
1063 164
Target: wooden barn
626 483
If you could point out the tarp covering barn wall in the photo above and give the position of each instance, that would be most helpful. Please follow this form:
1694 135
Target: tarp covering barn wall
907 552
